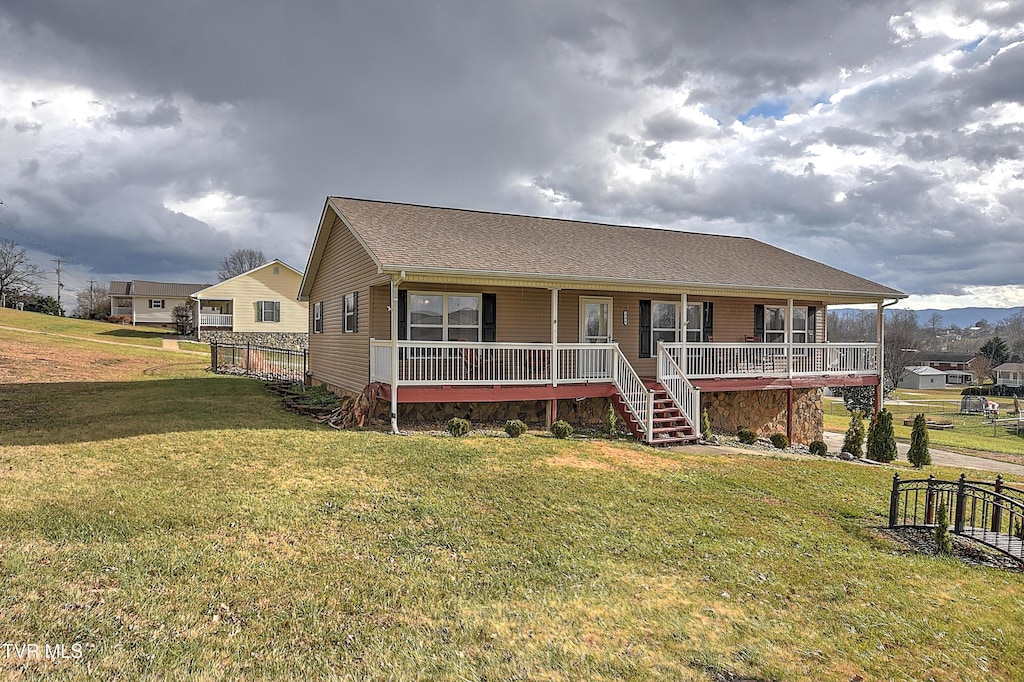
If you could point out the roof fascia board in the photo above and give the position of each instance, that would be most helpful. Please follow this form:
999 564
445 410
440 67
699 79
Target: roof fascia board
277 261
316 254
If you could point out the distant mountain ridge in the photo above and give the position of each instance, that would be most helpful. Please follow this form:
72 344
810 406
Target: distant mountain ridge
966 317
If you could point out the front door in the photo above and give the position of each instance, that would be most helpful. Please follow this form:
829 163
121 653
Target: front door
595 327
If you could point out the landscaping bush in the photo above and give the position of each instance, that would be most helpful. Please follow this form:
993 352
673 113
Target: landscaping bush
746 436
779 440
611 421
881 438
943 542
515 428
561 429
819 448
120 319
857 397
705 426
854 441
918 454
457 426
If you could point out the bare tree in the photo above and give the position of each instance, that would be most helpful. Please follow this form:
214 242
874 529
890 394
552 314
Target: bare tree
17 272
902 344
239 261
934 323
92 302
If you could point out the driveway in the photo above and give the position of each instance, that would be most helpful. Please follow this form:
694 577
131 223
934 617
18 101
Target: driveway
944 458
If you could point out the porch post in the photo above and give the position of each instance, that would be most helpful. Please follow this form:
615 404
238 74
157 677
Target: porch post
682 337
554 337
880 336
789 343
199 319
394 355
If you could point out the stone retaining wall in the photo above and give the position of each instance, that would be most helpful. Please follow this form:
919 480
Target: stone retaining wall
765 412
289 341
580 413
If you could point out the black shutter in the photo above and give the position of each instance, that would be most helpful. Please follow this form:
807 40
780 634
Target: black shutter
759 322
812 324
645 329
355 310
709 321
403 311
277 311
489 333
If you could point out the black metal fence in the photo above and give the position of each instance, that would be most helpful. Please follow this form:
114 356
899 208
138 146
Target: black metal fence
261 362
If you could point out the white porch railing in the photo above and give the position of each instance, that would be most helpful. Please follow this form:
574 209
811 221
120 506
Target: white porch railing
684 394
215 320
121 310
737 360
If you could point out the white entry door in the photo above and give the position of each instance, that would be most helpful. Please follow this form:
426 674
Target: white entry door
595 327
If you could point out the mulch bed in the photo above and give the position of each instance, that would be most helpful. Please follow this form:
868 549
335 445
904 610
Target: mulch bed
922 540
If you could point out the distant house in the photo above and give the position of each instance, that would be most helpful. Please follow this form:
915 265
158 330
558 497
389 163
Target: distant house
957 366
1010 374
150 303
446 312
258 302
922 376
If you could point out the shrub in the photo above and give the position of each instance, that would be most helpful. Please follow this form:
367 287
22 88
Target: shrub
457 426
705 425
746 436
120 319
779 440
857 397
854 441
515 428
881 438
561 429
918 454
819 448
611 421
943 542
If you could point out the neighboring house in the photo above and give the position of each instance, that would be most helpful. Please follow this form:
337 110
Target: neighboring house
959 378
450 312
922 376
1010 374
259 302
957 366
150 303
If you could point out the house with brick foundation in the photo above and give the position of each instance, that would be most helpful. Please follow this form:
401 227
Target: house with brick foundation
444 312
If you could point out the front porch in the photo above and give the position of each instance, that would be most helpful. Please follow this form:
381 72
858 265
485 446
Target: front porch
213 315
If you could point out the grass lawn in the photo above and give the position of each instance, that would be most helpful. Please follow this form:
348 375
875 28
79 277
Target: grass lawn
91 329
179 523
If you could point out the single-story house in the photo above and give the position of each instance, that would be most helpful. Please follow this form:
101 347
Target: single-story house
257 303
959 378
946 360
446 312
150 303
922 376
1010 374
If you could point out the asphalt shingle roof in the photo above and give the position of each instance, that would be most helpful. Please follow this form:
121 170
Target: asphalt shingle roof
139 287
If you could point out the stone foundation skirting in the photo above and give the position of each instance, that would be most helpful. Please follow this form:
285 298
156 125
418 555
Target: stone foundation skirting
286 340
765 412
580 413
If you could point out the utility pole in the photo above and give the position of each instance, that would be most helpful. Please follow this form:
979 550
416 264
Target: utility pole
58 261
92 297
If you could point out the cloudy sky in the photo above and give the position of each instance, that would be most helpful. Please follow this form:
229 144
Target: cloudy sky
148 139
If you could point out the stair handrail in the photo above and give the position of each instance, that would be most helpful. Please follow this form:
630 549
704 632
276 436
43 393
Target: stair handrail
637 397
684 395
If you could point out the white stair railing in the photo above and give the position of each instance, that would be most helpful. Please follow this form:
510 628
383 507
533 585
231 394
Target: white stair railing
685 396
638 398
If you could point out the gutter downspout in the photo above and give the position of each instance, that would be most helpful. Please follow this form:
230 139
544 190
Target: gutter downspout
880 393
395 281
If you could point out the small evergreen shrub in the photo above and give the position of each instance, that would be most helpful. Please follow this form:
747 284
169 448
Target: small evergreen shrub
515 428
457 426
819 448
561 429
779 440
705 426
611 421
918 454
854 441
881 438
943 541
746 436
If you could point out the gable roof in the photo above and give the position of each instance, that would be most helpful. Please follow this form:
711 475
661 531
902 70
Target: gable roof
139 287
923 370
427 239
276 261
1011 367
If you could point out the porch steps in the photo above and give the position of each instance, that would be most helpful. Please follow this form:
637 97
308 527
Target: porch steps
670 425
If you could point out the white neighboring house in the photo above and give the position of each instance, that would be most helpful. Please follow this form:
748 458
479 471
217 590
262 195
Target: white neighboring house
262 300
920 376
150 303
1010 374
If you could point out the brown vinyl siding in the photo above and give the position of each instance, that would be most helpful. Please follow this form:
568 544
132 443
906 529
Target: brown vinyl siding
336 358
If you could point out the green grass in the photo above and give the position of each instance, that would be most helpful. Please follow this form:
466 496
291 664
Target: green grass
146 336
180 523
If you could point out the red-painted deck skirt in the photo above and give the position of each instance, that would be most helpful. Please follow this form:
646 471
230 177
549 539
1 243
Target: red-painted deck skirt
499 393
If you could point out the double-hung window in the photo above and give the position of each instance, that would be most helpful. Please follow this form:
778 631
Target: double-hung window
444 317
268 311
664 323
775 324
350 312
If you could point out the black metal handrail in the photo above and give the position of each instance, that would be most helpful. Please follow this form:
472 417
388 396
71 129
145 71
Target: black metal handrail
262 362
989 513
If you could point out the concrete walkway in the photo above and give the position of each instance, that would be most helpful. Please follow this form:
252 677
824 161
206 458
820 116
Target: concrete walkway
945 458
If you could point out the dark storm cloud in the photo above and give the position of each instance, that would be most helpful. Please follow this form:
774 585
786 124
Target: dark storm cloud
163 115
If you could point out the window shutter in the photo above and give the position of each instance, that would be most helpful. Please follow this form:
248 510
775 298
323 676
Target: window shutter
759 322
645 329
812 324
150 303
403 313
259 311
277 311
489 330
709 321
355 311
